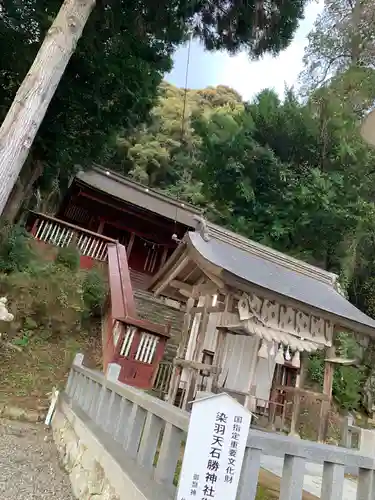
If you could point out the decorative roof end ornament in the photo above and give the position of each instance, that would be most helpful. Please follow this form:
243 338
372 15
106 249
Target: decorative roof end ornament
202 228
339 289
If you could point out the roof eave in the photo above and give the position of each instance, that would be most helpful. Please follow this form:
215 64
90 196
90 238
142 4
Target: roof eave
339 321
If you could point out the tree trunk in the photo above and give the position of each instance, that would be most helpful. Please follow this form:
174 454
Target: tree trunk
29 107
22 190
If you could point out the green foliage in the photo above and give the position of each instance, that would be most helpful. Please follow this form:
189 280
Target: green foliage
48 299
316 369
347 384
339 40
111 81
68 257
50 295
347 380
94 292
16 253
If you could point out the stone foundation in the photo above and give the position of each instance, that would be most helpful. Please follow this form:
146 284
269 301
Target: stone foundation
86 475
98 467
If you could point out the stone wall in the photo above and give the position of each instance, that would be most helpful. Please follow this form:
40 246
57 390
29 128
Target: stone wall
86 474
160 310
98 466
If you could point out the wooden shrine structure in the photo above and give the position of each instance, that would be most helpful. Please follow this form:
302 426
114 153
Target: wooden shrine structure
252 317
102 207
130 230
252 314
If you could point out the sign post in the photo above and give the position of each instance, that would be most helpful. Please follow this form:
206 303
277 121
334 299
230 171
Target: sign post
214 449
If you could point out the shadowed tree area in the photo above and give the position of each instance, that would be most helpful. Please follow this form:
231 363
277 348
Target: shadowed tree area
112 78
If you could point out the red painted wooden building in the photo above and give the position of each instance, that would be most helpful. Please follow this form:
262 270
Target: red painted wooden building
135 229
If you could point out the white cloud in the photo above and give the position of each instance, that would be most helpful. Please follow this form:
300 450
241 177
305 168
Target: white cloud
249 78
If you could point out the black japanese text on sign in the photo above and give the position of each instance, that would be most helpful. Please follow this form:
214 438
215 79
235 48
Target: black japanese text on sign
215 454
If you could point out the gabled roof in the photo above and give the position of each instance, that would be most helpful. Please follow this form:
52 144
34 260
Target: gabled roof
273 276
222 234
118 186
249 266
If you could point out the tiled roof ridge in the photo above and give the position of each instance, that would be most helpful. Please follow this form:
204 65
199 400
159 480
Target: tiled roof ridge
271 255
122 179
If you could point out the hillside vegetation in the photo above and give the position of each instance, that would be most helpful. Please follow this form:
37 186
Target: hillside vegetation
56 309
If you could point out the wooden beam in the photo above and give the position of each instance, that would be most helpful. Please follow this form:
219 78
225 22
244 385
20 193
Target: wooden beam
205 288
194 290
163 257
127 208
193 372
302 392
210 309
220 344
130 244
220 283
186 363
176 268
180 285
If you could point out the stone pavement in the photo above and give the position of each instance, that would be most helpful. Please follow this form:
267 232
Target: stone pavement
313 477
29 467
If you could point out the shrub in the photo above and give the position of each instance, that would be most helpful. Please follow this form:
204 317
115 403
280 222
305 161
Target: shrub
50 297
68 257
347 386
316 368
94 292
16 252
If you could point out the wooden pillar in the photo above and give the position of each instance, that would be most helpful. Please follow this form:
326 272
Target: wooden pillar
251 391
177 370
193 373
218 358
327 390
101 226
130 245
300 382
220 344
163 257
34 229
274 393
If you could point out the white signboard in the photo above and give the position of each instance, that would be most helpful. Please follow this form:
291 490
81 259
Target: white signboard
214 450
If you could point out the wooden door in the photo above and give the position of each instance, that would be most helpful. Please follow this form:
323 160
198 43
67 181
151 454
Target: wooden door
139 357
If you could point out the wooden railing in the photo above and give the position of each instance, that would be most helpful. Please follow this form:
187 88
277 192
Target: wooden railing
152 433
162 379
62 234
269 414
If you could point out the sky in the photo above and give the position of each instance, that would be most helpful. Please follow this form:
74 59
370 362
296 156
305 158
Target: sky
238 72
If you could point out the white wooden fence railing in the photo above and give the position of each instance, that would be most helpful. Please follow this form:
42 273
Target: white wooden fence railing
61 234
152 433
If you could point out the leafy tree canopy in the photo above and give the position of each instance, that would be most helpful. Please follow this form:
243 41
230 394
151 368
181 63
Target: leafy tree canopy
112 78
